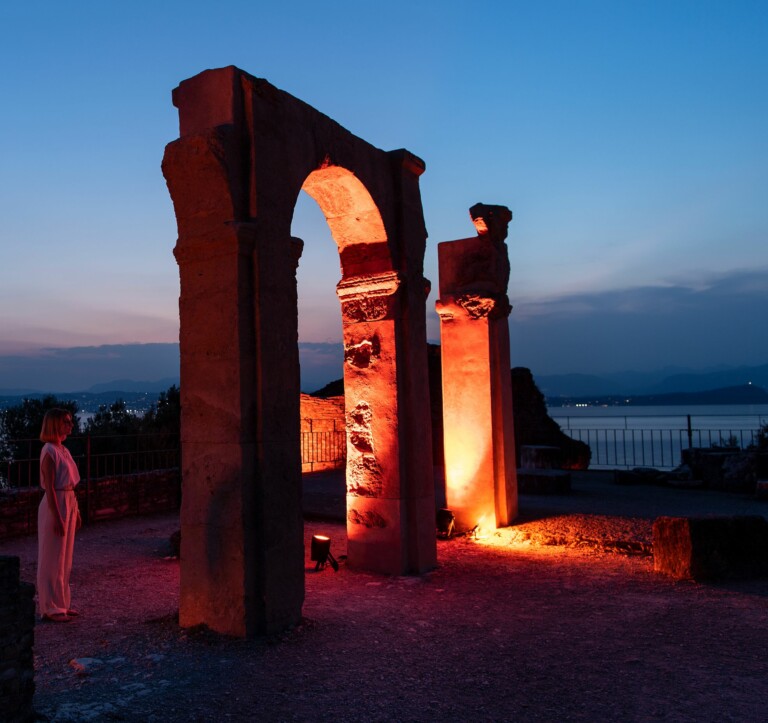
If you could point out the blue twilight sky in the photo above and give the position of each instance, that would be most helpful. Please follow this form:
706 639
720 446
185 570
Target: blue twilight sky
628 138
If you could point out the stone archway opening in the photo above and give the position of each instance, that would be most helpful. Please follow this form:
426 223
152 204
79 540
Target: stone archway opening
367 280
317 275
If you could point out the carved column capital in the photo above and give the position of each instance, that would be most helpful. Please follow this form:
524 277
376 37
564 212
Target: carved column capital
368 298
473 306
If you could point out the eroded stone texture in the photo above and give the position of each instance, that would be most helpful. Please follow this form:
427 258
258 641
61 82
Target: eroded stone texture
246 150
478 428
381 392
364 476
362 354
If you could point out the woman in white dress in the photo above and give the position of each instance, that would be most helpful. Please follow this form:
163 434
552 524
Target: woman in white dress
57 518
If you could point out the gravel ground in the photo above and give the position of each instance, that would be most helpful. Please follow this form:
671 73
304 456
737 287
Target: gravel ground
540 621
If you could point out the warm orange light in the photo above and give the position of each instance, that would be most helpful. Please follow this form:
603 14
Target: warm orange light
481 529
464 458
469 480
477 397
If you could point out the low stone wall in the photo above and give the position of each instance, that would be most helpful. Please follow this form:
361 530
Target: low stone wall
323 433
111 498
17 624
106 498
711 548
18 512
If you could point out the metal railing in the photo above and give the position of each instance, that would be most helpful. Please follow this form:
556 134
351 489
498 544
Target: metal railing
627 443
119 455
96 456
624 443
328 446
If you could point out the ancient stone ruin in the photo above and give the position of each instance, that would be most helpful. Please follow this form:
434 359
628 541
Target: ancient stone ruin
480 476
245 152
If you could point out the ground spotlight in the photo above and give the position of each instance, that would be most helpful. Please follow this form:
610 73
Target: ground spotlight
445 523
320 552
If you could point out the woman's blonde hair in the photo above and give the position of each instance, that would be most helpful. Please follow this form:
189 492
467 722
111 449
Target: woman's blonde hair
53 425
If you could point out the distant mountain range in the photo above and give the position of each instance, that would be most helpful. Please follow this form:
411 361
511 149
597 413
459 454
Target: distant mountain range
664 381
139 396
672 385
119 386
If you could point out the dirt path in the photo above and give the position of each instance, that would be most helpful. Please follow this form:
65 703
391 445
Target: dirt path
505 629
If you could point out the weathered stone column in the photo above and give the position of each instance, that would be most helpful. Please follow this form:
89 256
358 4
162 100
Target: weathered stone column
242 549
390 488
480 474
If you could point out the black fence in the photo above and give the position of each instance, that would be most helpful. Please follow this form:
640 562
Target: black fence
96 456
99 456
615 442
619 442
324 446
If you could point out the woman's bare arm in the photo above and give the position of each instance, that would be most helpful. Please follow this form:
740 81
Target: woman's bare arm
48 473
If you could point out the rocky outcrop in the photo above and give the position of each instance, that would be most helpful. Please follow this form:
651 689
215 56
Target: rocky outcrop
534 426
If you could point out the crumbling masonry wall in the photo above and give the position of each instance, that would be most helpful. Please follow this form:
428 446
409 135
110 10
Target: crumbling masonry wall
246 150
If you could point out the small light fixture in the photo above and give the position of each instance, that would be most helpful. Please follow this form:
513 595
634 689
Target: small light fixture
478 532
320 552
445 523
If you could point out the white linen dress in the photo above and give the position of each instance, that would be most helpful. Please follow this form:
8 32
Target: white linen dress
54 553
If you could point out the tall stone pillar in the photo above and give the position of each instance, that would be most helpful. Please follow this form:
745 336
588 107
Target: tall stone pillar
480 473
242 546
390 487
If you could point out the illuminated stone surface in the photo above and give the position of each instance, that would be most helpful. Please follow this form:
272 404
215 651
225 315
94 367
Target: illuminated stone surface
480 475
322 431
245 151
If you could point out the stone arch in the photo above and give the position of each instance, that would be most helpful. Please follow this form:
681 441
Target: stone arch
352 215
245 151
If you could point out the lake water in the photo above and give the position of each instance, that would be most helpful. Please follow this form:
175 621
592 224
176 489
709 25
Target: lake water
655 436
705 416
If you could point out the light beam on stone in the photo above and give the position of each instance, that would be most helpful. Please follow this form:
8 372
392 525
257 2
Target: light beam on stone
480 474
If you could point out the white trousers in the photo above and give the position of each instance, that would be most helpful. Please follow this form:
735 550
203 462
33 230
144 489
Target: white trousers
54 554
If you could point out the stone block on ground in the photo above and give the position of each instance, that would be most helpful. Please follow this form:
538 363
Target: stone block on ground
711 548
17 623
543 481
